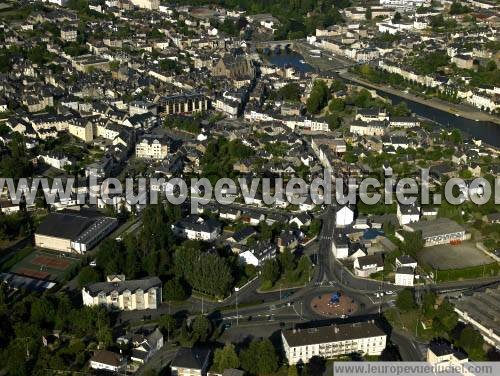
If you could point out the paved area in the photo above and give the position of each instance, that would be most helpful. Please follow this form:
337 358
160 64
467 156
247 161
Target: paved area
459 256
328 307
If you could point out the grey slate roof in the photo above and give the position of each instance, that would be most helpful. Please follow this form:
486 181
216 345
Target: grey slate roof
303 337
132 285
193 358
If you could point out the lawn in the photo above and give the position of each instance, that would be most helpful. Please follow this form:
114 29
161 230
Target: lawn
409 322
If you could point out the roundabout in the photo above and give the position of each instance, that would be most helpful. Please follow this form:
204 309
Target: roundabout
333 304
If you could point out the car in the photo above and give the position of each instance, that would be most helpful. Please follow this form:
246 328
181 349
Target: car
390 292
226 325
93 263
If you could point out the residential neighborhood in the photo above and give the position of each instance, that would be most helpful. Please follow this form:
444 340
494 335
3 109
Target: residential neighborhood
240 187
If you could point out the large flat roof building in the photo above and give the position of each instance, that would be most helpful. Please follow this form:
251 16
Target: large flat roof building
301 345
73 231
438 231
481 310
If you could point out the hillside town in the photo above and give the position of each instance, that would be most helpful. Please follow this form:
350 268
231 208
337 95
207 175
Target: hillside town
193 95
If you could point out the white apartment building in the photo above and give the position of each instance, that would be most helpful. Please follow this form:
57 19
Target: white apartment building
405 4
444 354
404 276
117 293
374 128
152 148
147 4
301 345
194 227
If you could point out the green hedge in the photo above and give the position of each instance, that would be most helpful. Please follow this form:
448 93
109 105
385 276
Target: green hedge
488 270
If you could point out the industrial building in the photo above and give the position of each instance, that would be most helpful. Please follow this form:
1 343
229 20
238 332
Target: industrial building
481 311
438 231
73 231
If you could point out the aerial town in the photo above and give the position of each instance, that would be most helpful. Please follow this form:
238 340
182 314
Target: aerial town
186 95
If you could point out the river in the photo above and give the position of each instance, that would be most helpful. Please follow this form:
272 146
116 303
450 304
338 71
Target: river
483 130
290 58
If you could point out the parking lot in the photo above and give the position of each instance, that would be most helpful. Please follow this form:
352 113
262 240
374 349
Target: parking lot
446 256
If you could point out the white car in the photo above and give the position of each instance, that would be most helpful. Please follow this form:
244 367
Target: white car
389 292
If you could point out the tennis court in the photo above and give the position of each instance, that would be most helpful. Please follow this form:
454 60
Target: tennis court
45 265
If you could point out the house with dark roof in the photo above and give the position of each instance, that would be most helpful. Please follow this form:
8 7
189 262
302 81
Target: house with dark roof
145 344
194 227
366 265
104 360
257 253
190 362
242 236
444 353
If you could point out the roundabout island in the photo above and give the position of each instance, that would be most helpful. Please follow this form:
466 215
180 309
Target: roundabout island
333 304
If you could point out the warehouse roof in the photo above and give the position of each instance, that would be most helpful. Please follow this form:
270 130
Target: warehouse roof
64 225
436 227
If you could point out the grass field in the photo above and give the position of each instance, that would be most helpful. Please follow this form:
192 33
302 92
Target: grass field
44 265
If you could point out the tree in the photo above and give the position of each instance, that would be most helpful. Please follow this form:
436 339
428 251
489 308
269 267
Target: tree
413 243
287 261
226 358
88 275
42 312
472 342
201 328
336 105
167 324
303 268
445 318
314 227
270 271
259 358
428 303
174 290
458 8
318 97
396 18
316 366
292 371
405 300
290 92
368 13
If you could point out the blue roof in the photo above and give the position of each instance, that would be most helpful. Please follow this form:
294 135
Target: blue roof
371 233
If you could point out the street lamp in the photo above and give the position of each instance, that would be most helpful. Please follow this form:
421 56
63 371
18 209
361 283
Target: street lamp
236 289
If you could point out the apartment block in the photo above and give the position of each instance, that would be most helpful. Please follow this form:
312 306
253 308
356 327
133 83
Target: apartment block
301 345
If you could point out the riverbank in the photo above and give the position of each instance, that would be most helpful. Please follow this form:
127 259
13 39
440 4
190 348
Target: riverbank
462 110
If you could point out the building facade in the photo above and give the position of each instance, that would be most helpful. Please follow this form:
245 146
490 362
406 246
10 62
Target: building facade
301 345
121 294
152 148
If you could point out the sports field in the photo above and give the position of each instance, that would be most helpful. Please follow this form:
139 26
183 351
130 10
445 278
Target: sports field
45 265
